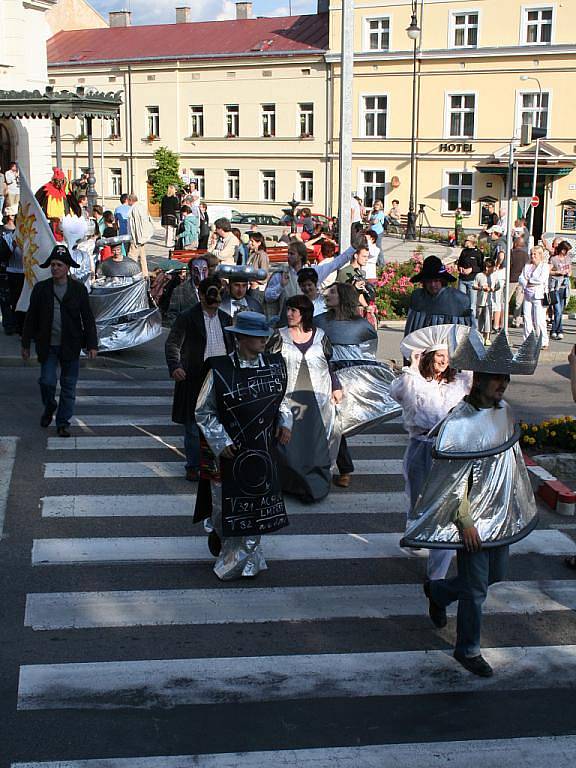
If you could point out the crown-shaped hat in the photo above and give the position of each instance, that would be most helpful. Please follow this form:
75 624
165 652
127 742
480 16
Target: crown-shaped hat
470 354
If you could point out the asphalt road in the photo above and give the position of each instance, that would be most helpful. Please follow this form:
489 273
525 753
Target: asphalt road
119 646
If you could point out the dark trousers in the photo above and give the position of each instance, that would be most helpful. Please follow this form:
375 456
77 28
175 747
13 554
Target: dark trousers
15 284
192 445
69 370
344 460
476 571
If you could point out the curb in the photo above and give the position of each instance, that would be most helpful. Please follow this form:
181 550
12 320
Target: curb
554 493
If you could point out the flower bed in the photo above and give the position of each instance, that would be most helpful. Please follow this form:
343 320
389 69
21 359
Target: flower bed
393 287
558 434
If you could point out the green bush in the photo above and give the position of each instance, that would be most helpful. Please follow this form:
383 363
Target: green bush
167 171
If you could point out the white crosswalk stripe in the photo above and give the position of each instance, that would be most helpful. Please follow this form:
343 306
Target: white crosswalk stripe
175 505
112 469
82 610
142 442
533 752
178 682
84 535
189 549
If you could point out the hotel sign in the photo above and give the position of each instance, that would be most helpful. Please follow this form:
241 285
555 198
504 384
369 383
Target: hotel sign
456 148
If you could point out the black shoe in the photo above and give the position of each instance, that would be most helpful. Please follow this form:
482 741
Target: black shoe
436 612
48 415
475 664
214 543
63 431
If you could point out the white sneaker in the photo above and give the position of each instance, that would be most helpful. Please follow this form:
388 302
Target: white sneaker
553 335
559 335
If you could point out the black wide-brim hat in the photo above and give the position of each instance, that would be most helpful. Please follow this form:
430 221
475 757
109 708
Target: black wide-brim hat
60 253
433 269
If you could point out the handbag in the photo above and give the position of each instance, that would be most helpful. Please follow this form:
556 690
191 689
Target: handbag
550 298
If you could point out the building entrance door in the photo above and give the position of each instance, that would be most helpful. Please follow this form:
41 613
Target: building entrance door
5 148
525 194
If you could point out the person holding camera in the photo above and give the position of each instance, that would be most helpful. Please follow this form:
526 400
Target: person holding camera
355 275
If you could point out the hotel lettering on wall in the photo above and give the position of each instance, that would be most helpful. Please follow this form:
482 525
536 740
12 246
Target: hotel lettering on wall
456 148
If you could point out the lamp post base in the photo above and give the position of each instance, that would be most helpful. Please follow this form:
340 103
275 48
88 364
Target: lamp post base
410 233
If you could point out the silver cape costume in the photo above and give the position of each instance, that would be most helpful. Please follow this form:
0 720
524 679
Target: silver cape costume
365 381
476 457
305 463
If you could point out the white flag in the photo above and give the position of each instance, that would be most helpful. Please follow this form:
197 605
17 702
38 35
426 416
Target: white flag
35 240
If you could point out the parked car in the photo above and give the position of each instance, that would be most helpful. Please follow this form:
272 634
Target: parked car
270 226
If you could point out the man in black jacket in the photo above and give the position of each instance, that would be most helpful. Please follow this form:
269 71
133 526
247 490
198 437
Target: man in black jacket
196 335
60 321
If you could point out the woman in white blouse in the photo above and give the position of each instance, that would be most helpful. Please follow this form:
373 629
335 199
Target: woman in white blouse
427 390
534 279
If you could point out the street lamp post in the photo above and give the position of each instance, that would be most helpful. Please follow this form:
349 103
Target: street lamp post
524 78
413 32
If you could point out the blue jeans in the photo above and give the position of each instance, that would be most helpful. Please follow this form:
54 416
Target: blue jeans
476 571
192 445
558 308
69 370
465 286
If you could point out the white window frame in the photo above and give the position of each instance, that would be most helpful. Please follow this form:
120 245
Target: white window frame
520 109
367 32
524 21
82 123
268 185
445 186
199 176
115 189
229 179
306 184
151 118
196 117
306 112
360 186
234 114
452 28
362 113
271 115
448 114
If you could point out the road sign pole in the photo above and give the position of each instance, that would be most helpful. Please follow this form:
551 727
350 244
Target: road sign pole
534 185
510 196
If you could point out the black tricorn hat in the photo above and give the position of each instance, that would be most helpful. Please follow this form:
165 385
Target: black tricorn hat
432 269
60 253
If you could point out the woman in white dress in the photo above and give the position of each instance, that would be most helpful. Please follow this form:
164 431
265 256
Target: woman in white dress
427 390
534 279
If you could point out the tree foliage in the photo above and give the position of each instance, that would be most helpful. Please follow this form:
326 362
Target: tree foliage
166 172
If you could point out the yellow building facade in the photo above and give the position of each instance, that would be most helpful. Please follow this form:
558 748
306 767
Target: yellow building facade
471 101
257 128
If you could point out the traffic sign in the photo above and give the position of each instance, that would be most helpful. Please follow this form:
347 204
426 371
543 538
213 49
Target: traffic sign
535 201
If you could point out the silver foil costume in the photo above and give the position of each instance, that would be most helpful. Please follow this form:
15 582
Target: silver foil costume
477 458
240 555
481 445
365 381
305 463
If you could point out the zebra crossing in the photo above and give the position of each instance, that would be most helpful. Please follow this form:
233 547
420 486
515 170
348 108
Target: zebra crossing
142 659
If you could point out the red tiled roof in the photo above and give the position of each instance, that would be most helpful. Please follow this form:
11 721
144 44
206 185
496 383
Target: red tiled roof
266 36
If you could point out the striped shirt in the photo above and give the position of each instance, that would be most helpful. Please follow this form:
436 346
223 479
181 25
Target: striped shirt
215 345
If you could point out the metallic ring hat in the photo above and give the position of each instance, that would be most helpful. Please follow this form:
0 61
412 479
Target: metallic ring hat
60 253
250 324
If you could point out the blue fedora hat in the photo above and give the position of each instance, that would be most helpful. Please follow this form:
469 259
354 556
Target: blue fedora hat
250 324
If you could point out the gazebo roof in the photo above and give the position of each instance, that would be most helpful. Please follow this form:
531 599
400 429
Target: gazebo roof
57 104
